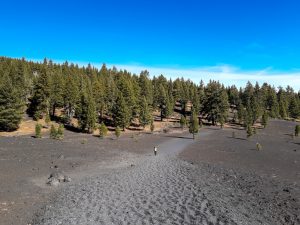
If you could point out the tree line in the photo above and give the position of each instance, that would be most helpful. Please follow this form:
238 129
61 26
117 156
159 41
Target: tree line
118 97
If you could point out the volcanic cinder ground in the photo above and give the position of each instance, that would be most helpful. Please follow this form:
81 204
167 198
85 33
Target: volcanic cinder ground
215 179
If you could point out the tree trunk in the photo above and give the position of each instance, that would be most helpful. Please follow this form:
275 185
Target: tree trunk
53 110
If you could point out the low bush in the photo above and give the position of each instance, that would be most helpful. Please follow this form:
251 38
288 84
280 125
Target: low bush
117 132
38 130
258 147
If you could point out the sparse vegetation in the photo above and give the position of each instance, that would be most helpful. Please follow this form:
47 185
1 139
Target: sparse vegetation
60 131
194 124
102 130
117 132
57 133
47 120
182 121
258 147
53 132
38 130
264 120
88 94
297 130
152 127
249 131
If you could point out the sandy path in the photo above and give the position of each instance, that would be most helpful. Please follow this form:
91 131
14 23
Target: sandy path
157 190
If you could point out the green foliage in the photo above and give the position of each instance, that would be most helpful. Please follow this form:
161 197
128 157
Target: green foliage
215 104
249 131
60 131
53 132
182 121
11 106
194 124
87 92
297 130
39 102
152 127
117 132
86 112
47 119
264 119
145 115
121 113
294 108
57 133
102 130
38 130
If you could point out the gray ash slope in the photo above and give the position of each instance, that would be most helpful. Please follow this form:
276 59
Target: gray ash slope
165 190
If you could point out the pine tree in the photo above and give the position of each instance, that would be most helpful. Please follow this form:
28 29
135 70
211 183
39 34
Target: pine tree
297 130
161 100
117 132
86 112
215 104
145 115
11 106
152 127
167 109
182 121
38 130
102 130
264 120
249 131
71 97
294 109
194 124
60 131
121 113
53 132
56 92
39 102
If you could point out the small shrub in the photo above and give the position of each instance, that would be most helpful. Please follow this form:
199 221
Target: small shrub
102 130
60 132
249 131
53 132
297 130
47 120
264 119
182 122
254 130
258 147
117 132
152 126
38 130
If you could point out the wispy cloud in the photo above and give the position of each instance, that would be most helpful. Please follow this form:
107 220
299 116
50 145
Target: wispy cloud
226 74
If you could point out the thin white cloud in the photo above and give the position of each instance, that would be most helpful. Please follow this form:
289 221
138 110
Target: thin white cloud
226 74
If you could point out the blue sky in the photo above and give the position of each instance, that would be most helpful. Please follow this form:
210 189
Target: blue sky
252 40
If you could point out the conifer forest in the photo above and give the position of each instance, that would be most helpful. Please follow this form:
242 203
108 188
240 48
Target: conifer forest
117 97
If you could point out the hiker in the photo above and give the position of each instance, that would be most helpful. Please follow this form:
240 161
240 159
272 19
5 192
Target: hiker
155 150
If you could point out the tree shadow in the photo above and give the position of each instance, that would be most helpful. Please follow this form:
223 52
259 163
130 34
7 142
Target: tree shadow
73 129
135 128
242 139
180 137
